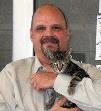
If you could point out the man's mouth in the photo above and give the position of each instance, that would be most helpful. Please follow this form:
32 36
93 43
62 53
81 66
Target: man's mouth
49 39
50 46
49 42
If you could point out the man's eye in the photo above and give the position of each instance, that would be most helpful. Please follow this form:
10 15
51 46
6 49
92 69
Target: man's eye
40 29
56 28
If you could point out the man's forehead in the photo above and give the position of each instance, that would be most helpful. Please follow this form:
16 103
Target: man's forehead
48 10
44 12
48 23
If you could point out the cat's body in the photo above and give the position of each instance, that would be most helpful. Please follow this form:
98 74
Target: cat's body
61 63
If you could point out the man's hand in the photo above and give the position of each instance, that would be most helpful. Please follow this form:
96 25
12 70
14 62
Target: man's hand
59 103
43 80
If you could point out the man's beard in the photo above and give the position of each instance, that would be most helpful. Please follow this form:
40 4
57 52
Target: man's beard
49 53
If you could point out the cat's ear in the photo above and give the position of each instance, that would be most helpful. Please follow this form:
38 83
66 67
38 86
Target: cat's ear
68 53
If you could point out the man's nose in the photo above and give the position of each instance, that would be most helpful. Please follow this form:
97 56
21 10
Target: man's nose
48 32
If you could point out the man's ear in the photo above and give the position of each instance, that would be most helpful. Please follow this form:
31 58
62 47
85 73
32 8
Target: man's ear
31 34
69 31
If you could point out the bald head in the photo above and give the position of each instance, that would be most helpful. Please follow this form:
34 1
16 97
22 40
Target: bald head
49 9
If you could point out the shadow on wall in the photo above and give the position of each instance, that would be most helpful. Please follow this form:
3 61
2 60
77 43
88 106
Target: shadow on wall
79 57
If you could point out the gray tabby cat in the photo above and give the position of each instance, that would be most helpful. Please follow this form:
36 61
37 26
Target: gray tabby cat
61 63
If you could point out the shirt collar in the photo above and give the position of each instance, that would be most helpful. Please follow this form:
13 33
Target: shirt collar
37 65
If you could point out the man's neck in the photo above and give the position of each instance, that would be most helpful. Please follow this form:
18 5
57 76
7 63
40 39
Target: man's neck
45 62
47 66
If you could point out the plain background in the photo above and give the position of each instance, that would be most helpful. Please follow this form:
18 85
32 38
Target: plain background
82 16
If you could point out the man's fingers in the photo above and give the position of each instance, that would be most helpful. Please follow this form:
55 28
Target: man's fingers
61 101
33 81
43 80
74 109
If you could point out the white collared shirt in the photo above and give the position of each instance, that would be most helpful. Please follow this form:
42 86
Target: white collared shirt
88 92
17 94
87 95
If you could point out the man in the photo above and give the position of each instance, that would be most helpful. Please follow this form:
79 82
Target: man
23 87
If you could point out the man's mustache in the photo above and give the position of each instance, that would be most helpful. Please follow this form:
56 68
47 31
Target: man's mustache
49 39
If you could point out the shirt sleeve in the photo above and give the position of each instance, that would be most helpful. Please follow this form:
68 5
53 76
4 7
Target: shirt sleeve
87 93
10 99
3 104
6 90
92 71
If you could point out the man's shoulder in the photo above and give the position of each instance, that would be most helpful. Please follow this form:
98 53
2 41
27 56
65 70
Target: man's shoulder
82 65
92 71
20 65
15 77
29 59
22 62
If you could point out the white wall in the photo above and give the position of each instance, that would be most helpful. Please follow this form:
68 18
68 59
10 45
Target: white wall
22 14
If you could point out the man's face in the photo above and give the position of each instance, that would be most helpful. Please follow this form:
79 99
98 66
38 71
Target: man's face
49 30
